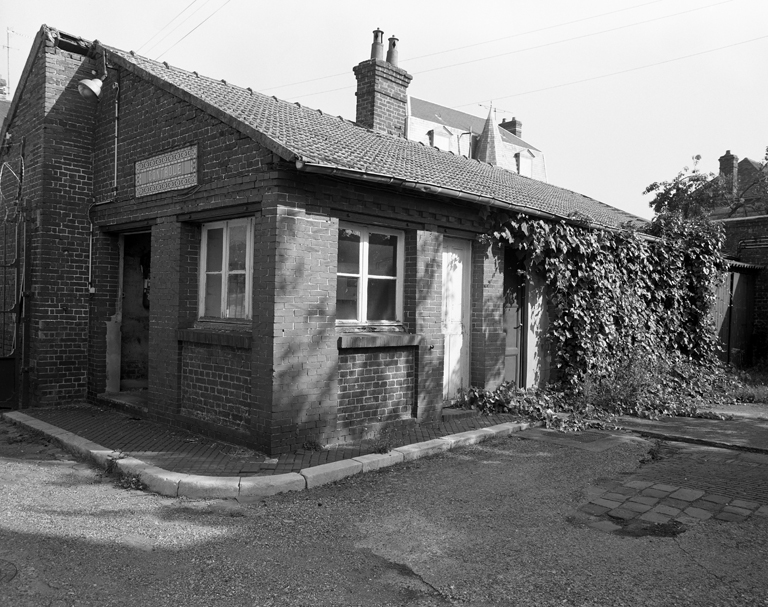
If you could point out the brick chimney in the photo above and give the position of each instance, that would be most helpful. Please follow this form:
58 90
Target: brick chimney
514 126
729 172
382 102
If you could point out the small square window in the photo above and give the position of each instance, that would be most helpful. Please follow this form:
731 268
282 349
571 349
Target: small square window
225 269
369 288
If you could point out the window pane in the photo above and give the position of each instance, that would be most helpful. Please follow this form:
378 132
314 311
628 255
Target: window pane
212 295
382 255
349 251
215 249
237 247
346 298
381 299
236 296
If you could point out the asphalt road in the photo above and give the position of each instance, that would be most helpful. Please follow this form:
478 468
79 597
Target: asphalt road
493 524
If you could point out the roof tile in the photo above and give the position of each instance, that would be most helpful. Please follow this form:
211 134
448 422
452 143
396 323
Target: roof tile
318 138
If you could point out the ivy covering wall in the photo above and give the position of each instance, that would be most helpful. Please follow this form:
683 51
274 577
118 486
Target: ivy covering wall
616 295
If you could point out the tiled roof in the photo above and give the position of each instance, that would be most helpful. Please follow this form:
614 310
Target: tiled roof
300 133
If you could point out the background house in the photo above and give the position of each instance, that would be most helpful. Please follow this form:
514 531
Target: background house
221 260
462 133
744 320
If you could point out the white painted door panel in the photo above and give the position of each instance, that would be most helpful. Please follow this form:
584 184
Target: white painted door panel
456 263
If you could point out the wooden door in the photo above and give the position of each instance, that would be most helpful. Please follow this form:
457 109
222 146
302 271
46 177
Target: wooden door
514 319
455 326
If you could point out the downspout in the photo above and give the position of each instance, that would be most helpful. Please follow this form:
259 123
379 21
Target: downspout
116 88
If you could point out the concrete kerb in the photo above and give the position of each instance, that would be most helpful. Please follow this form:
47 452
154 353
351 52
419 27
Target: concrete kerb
175 484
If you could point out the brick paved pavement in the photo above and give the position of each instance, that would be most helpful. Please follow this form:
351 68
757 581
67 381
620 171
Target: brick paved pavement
184 452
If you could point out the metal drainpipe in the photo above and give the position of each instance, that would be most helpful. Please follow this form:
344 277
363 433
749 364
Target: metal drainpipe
116 88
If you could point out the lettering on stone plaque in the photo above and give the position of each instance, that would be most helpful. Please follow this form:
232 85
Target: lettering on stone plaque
171 171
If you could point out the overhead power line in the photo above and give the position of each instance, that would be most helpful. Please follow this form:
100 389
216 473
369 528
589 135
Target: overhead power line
192 30
530 48
160 31
178 25
459 48
632 69
613 29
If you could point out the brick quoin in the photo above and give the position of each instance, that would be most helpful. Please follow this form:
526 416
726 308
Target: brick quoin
423 315
55 130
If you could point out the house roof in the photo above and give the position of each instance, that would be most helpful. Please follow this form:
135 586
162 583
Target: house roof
318 141
432 112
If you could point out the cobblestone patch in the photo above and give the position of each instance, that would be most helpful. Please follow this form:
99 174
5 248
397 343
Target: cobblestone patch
688 486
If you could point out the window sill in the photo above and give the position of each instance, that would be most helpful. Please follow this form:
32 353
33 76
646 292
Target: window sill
378 340
222 337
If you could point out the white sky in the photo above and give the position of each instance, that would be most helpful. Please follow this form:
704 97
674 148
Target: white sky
607 136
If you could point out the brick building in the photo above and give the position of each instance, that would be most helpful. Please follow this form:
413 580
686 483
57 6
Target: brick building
220 260
746 239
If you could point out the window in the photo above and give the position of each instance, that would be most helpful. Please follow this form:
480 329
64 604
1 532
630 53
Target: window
225 269
369 286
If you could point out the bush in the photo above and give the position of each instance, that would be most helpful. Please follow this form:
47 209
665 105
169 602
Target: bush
672 386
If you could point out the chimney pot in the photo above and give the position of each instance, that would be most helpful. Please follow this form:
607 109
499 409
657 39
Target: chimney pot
514 126
377 48
392 51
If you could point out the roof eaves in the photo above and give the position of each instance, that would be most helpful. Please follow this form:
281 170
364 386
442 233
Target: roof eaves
276 147
436 190
423 187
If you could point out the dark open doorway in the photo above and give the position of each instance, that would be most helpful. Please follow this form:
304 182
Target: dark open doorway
134 342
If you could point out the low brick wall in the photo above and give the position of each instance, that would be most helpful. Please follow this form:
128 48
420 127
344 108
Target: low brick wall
375 385
216 384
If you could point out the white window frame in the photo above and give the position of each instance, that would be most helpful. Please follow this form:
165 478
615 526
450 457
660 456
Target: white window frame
248 222
362 283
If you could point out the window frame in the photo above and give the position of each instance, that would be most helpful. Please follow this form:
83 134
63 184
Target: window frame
248 222
363 276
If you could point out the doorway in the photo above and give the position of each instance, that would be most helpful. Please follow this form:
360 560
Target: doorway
514 317
455 326
134 340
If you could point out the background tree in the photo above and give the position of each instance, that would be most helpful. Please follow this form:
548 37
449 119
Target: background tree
692 194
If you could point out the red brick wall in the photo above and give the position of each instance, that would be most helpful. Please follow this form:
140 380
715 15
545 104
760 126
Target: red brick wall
488 337
305 356
375 385
423 295
216 385
60 233
103 302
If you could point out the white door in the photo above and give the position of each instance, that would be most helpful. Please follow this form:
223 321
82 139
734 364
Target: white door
456 263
